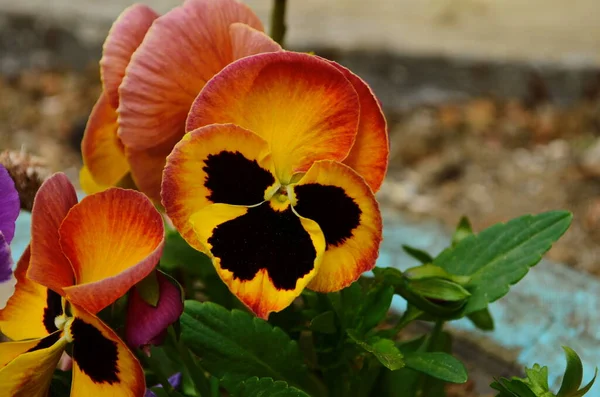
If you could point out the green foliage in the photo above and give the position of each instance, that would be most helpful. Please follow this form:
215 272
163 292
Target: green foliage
236 344
502 254
384 350
535 384
347 342
439 365
258 387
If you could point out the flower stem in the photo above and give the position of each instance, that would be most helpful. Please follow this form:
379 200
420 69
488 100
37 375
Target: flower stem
278 26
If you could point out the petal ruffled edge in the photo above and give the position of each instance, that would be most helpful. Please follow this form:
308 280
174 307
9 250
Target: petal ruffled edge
304 107
369 154
124 37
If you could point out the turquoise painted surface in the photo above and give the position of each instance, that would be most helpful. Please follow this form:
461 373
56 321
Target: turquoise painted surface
552 306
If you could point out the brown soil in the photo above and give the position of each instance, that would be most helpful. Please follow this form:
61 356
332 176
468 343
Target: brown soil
494 160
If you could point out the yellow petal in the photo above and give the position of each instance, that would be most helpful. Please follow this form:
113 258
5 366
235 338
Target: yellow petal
265 254
301 105
102 364
342 204
29 374
31 310
214 164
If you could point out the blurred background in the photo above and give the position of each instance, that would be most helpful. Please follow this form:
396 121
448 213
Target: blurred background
493 106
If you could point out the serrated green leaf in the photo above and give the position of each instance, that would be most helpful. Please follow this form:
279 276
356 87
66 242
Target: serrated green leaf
463 230
438 365
537 379
261 387
501 255
418 254
573 374
482 319
383 349
234 343
324 323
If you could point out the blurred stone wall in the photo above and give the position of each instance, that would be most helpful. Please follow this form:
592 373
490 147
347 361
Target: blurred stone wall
561 31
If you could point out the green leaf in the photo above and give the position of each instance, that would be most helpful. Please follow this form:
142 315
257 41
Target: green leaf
259 387
586 388
383 349
178 254
375 306
431 271
418 254
482 319
324 323
573 374
501 255
463 230
439 289
149 290
514 387
238 344
537 379
438 365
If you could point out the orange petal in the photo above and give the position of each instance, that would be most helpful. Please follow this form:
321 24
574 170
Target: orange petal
181 51
31 310
124 37
304 107
102 364
113 239
265 254
87 182
29 374
246 41
147 167
102 150
369 155
48 266
214 164
342 204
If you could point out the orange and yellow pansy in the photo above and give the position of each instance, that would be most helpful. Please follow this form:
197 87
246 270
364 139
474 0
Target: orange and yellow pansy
275 179
82 257
152 68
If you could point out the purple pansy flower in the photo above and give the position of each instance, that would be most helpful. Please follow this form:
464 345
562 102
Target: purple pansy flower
9 211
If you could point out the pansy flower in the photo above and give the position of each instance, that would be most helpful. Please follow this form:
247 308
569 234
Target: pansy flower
82 257
152 68
9 211
275 179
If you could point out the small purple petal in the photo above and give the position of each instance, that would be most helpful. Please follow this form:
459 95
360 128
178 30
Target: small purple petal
174 380
9 205
7 280
146 324
6 261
